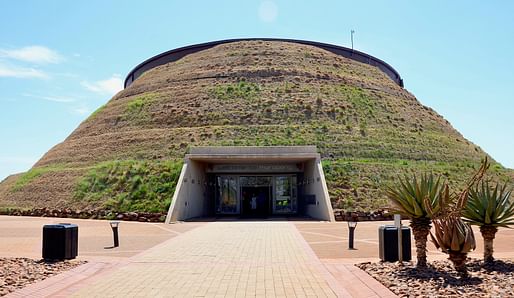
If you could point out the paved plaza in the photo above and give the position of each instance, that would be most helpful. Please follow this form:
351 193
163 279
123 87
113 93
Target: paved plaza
22 237
223 259
212 259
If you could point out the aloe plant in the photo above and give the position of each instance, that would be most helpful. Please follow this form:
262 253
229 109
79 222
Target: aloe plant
489 208
455 238
452 235
413 199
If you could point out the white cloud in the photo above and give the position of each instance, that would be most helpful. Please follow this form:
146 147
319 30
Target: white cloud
66 75
268 11
109 86
51 98
34 54
22 72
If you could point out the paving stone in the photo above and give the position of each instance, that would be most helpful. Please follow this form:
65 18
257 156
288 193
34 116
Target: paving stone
224 259
226 255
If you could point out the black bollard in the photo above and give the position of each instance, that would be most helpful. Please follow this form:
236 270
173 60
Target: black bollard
114 226
350 241
352 224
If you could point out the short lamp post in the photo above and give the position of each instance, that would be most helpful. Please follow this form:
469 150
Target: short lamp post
352 224
114 226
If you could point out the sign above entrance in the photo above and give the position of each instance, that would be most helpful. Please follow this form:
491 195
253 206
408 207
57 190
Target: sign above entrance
253 168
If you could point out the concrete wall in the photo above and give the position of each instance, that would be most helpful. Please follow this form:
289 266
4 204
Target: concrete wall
317 186
228 151
190 197
176 54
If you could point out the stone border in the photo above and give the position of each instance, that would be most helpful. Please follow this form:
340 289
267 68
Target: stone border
86 214
379 215
339 214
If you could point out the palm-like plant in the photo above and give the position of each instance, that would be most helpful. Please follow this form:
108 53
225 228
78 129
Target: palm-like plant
413 199
454 237
489 208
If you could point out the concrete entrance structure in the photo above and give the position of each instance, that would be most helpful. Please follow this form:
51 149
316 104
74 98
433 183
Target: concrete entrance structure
251 181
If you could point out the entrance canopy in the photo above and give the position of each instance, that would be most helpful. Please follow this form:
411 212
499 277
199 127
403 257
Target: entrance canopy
265 154
251 182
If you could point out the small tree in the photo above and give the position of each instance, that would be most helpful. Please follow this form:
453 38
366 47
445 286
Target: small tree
489 208
413 198
452 235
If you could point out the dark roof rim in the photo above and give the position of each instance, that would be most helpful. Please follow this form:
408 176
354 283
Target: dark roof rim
394 75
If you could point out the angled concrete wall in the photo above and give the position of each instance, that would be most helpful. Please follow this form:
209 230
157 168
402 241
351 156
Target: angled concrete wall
315 184
189 199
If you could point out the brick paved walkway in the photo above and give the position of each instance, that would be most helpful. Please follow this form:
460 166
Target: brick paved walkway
218 259
223 259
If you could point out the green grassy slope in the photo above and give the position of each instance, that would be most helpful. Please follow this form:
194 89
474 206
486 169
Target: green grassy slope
367 129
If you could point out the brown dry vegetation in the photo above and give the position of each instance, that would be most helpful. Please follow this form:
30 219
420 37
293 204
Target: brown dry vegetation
367 129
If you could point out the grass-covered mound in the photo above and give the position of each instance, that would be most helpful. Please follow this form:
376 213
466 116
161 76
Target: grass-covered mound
253 93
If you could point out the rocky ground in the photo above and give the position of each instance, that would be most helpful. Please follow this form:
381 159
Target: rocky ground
16 273
441 280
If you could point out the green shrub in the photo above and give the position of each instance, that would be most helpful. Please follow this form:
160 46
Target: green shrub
136 105
241 90
137 108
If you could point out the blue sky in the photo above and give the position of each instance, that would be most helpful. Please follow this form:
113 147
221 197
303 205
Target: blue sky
60 60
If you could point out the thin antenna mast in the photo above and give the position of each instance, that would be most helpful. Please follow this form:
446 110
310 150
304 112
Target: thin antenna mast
352 32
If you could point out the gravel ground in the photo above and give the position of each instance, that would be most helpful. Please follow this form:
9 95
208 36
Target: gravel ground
16 273
441 280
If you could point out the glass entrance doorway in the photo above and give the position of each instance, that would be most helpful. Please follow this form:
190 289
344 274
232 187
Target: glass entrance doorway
256 196
255 201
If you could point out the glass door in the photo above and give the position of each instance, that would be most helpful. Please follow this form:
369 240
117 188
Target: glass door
285 200
226 195
255 195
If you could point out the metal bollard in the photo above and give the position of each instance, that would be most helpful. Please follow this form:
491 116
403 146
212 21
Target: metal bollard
352 224
114 226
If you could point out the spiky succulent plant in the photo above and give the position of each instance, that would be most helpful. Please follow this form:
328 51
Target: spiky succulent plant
489 208
417 199
454 237
410 197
